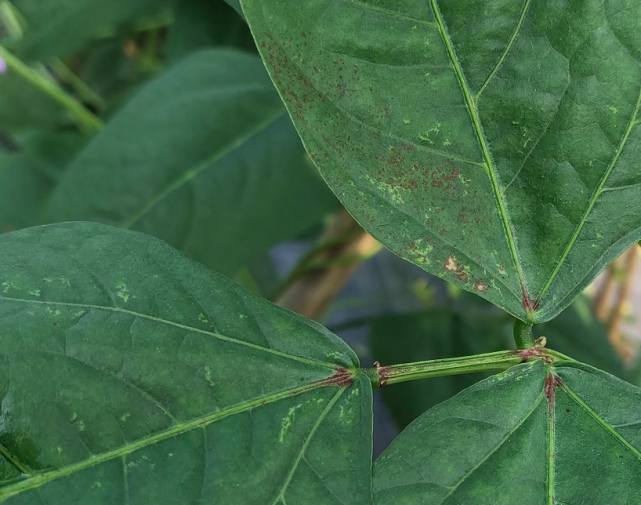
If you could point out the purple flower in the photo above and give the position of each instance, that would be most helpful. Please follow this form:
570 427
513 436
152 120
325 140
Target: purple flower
3 65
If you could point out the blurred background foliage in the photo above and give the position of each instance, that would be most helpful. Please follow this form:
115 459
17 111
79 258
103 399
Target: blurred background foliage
157 115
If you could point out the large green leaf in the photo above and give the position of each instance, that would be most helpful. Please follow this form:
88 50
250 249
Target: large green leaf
58 27
205 158
494 144
131 374
472 327
566 434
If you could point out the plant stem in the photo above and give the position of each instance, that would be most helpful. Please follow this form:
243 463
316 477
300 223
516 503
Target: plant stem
381 376
85 119
322 273
82 89
523 335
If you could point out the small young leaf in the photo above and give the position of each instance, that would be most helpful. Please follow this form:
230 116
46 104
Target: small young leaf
204 158
494 144
131 374
561 434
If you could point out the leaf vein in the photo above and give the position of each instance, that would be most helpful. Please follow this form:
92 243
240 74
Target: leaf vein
301 453
195 171
507 50
608 427
176 325
390 13
597 193
500 444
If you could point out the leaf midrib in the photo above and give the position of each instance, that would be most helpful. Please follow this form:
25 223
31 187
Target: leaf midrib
471 106
148 317
177 430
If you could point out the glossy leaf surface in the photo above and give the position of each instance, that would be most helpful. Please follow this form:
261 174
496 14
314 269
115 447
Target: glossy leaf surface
131 374
494 144
531 435
204 158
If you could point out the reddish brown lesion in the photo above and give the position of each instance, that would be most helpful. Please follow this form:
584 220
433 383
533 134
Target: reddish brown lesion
529 304
383 373
342 377
537 352
552 382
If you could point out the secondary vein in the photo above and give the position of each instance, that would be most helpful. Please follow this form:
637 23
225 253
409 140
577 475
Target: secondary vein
510 43
505 438
389 13
593 200
192 173
577 399
301 453
175 324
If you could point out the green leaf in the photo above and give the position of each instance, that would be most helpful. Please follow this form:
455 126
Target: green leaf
202 25
203 157
59 27
562 434
472 327
134 375
494 144
25 184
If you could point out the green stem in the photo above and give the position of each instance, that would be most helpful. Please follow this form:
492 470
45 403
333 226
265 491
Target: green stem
491 362
10 19
85 119
82 89
523 335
